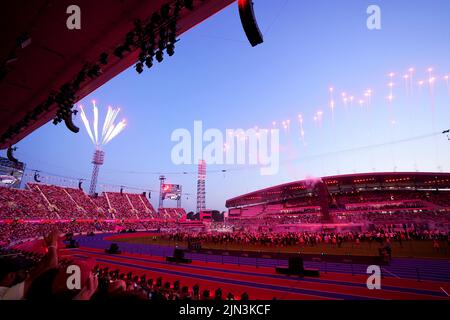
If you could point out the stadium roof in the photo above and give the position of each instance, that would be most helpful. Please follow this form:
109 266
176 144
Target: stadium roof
431 180
31 71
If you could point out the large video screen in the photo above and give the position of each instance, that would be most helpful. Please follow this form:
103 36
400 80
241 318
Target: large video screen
171 191
11 173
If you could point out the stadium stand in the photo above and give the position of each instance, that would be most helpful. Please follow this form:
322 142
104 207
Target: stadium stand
279 218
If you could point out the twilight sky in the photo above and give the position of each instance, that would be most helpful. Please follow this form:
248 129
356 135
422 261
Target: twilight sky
310 46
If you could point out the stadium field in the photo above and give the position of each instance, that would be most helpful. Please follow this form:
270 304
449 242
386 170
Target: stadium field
413 248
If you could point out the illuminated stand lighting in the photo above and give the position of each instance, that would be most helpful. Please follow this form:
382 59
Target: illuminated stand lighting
109 132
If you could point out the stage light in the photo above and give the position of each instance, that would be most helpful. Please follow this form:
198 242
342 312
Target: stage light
94 71
149 30
149 61
129 41
142 57
170 49
139 67
173 32
165 11
162 34
79 79
172 38
118 52
189 4
177 9
103 58
138 26
161 44
159 56
156 18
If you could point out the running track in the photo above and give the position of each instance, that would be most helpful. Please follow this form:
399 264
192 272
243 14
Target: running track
258 278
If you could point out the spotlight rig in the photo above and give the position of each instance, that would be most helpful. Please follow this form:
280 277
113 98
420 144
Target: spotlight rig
149 61
159 29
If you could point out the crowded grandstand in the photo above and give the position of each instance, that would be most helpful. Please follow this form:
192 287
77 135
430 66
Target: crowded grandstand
357 201
385 212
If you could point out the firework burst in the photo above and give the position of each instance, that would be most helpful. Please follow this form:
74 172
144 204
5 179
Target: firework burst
110 130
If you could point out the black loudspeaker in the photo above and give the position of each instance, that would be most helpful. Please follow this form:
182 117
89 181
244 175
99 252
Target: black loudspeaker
10 155
178 257
73 244
113 249
296 263
178 254
249 23
69 123
295 267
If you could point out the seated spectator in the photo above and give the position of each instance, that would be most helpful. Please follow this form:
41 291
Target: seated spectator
218 294
52 284
15 286
206 295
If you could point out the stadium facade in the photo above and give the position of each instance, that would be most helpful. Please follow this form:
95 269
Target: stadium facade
336 194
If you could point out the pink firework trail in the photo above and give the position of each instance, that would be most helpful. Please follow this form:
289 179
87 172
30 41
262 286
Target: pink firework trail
302 131
332 103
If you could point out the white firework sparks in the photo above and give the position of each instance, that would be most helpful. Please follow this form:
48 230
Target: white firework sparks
110 130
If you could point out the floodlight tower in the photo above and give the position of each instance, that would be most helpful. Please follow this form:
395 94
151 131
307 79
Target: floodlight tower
97 161
162 180
180 190
201 191
109 132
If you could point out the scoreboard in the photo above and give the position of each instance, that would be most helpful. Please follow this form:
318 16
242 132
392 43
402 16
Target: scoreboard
11 173
171 191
